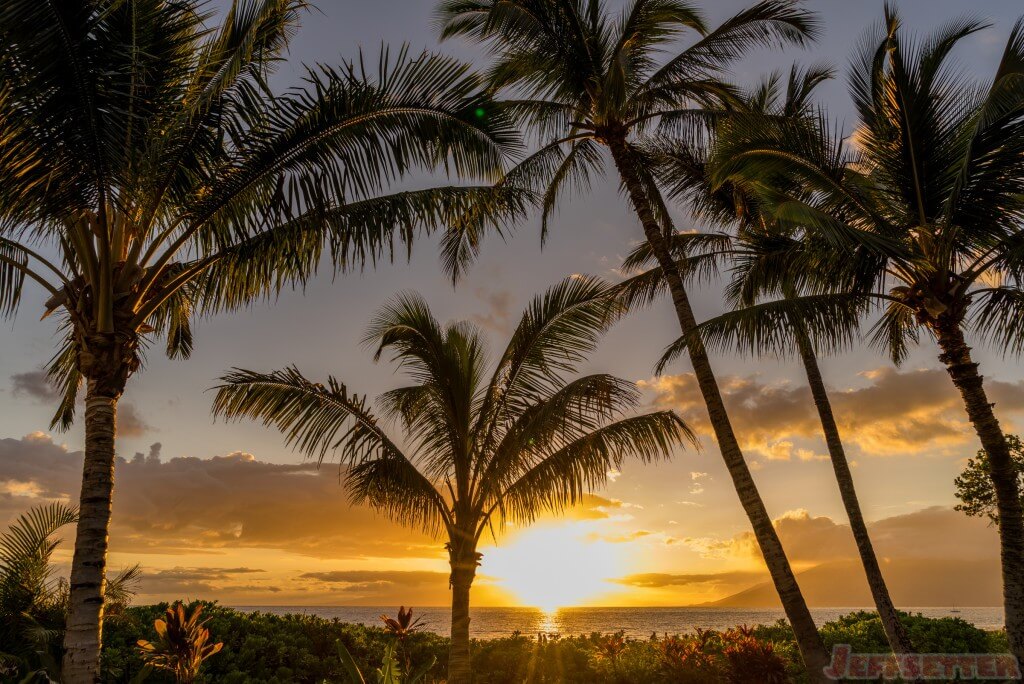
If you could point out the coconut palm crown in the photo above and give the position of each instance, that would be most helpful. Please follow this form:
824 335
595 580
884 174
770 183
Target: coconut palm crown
579 79
920 214
486 445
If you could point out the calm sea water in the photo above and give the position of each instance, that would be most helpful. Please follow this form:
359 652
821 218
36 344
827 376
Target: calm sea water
489 623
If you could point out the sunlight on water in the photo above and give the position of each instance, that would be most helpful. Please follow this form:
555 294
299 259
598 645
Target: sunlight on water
489 623
548 621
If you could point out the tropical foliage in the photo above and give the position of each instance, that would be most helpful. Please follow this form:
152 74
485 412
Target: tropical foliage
151 175
34 600
264 649
974 484
921 217
759 247
486 446
182 644
584 81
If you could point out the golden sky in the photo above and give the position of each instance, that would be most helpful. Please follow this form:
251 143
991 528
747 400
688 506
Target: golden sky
248 531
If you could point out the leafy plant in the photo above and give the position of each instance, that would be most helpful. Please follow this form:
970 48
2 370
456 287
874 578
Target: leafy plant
974 484
182 644
751 659
389 671
402 626
32 601
686 661
610 646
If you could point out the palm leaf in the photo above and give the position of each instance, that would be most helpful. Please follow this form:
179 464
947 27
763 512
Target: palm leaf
315 419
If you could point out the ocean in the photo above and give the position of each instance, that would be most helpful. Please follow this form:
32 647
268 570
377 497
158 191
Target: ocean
490 623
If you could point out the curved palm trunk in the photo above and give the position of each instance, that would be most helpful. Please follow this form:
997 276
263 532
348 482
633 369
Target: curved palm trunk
460 669
83 635
812 649
956 356
896 633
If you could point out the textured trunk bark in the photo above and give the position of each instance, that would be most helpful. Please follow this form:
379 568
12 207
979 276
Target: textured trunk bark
460 668
812 649
899 640
83 635
956 356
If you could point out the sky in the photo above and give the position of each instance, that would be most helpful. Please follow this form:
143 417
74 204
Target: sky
225 511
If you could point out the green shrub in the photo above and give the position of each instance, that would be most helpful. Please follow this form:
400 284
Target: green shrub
863 631
261 648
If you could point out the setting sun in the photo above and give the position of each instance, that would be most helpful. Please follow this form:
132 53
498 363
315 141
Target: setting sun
556 566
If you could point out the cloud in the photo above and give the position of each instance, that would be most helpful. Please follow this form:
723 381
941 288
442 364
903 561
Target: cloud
595 507
932 557
498 315
649 580
697 482
363 577
912 412
180 505
34 385
130 423
935 532
193 581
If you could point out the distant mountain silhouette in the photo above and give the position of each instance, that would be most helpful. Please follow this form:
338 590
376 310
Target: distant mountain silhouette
912 582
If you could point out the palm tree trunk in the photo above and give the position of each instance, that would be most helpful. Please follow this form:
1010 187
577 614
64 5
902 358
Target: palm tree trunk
899 640
460 668
83 635
956 356
812 649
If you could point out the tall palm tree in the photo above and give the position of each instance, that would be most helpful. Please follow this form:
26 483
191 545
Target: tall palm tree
484 448
760 246
922 213
582 80
149 174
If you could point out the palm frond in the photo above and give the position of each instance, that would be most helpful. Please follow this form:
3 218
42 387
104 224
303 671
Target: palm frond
13 266
572 176
895 332
25 551
767 23
562 478
997 316
315 419
120 588
830 322
397 489
555 334
63 373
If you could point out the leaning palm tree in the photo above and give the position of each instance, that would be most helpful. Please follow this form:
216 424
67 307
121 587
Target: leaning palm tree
149 175
923 213
485 448
583 81
758 247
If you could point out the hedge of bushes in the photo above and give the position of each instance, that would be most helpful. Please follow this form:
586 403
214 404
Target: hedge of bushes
272 649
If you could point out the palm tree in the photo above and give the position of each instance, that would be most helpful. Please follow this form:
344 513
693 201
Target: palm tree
758 249
921 213
581 80
33 602
150 174
485 449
